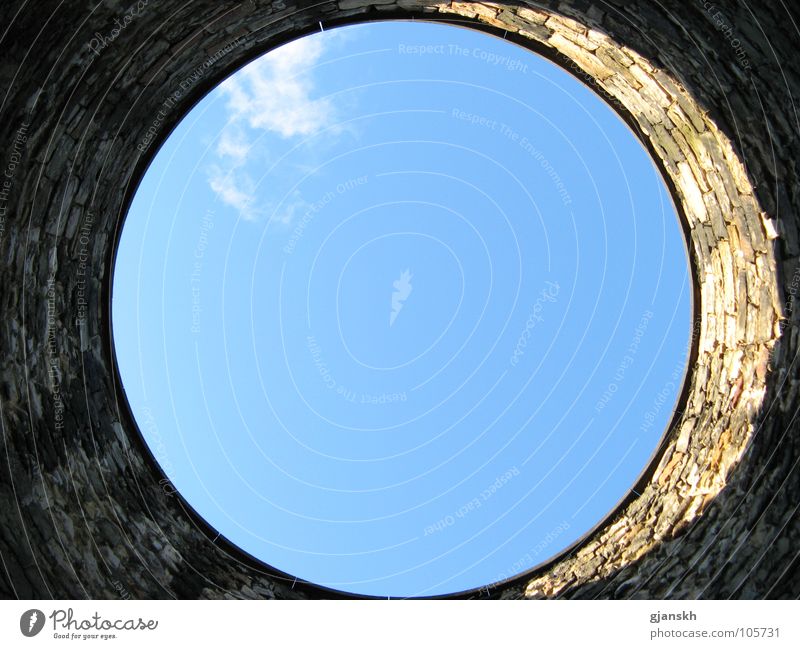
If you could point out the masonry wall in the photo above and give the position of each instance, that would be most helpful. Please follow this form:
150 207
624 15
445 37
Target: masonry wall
711 91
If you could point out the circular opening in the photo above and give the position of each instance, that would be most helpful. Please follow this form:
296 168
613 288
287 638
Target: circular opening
402 309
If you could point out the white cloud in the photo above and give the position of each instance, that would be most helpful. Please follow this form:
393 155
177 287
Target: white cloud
292 207
272 94
233 145
234 188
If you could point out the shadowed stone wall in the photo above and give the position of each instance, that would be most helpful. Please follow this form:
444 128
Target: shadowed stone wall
92 91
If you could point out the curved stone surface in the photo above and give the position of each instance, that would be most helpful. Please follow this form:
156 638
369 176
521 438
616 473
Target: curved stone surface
92 90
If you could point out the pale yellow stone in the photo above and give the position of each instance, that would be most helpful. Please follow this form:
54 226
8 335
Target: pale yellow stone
533 15
473 9
693 198
683 439
649 84
769 226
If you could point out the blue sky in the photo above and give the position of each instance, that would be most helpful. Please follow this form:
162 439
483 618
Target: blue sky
402 309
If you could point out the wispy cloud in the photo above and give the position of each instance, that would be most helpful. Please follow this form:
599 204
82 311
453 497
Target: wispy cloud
235 188
273 94
294 206
233 144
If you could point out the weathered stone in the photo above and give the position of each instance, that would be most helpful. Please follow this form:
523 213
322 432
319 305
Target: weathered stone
99 510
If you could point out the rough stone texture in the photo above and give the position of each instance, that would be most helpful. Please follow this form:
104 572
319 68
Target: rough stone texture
85 511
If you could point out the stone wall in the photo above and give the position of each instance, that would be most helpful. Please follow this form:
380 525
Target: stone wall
91 91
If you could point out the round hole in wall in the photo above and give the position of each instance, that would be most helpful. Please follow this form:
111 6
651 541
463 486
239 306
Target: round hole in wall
402 309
